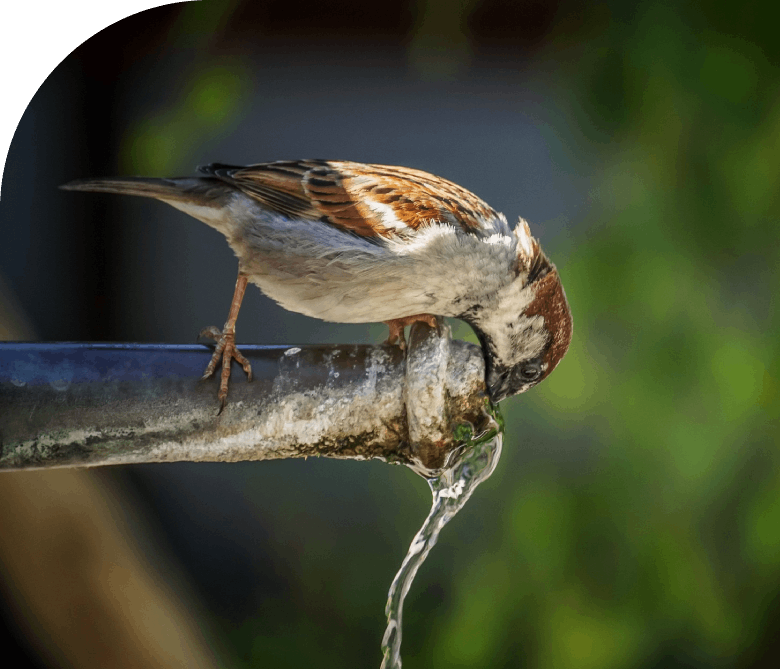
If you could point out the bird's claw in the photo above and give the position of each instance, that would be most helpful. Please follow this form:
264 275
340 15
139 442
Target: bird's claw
226 351
397 339
397 326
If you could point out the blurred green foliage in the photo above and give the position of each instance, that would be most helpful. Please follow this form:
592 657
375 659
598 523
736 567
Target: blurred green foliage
205 104
663 547
210 103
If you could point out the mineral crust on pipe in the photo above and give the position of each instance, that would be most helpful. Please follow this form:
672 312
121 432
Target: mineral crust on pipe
99 404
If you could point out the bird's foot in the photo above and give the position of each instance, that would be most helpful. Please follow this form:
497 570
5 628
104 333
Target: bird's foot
226 351
397 326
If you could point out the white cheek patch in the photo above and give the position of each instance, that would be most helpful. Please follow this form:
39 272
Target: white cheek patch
533 339
514 336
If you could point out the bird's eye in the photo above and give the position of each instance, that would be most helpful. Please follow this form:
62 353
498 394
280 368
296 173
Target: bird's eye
530 372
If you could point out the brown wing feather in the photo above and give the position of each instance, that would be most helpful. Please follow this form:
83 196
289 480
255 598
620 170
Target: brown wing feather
352 196
421 198
278 186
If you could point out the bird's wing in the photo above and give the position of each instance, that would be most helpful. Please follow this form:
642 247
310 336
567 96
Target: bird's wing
372 201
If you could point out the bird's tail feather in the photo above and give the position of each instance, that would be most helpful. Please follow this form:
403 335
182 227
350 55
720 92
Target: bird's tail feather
204 192
203 198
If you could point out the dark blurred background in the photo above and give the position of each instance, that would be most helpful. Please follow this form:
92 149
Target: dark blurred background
634 520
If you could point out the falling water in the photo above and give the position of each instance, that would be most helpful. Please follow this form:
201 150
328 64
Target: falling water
451 489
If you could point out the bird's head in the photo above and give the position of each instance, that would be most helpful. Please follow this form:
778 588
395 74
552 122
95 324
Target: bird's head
526 327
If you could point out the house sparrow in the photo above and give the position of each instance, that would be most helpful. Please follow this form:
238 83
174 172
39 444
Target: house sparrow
356 243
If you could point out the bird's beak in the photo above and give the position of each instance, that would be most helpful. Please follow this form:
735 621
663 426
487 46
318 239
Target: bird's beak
496 373
497 384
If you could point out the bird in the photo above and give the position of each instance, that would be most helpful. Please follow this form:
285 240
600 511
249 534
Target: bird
352 242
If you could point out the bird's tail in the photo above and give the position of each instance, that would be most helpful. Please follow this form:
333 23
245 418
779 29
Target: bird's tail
201 197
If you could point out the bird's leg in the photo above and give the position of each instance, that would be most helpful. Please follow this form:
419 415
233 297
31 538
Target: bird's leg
226 344
397 326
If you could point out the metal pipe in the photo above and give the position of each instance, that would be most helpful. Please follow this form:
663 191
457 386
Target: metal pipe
98 404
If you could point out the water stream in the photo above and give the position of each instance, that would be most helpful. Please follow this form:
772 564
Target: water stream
451 489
